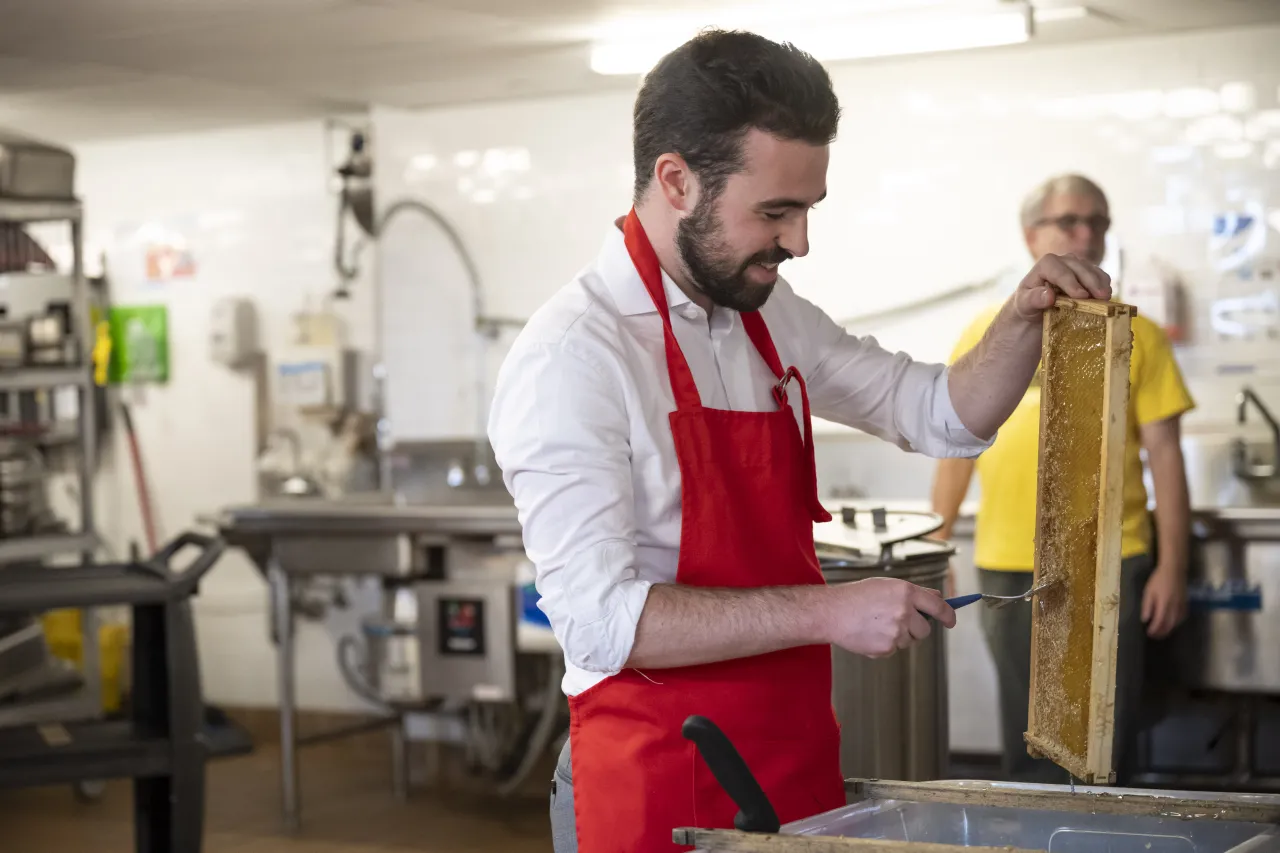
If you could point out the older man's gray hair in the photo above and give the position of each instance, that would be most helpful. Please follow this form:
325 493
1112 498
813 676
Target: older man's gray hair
1033 205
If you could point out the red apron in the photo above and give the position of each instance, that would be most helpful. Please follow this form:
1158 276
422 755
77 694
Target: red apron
748 503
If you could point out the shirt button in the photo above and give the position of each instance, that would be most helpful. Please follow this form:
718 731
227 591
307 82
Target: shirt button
691 312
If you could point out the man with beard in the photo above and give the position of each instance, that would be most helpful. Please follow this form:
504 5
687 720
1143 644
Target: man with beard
1069 213
652 423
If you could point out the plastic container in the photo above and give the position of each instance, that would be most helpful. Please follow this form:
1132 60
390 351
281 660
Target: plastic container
1030 829
64 636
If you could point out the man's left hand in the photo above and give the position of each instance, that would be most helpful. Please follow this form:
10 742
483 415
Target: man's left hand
1054 274
1164 602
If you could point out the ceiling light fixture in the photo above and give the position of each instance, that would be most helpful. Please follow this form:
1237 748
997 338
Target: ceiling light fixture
830 40
1065 13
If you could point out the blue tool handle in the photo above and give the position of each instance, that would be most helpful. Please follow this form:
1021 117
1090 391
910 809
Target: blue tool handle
1225 598
960 601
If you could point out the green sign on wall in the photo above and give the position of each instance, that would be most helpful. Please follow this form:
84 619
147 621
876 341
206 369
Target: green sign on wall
139 344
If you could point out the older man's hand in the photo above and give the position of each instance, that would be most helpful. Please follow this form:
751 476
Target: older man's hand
1059 274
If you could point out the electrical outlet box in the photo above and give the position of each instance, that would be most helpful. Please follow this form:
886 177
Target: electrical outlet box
233 332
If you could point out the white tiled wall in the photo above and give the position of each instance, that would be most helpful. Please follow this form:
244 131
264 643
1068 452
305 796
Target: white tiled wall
255 209
933 159
530 187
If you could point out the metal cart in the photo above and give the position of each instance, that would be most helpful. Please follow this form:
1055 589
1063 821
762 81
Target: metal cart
159 744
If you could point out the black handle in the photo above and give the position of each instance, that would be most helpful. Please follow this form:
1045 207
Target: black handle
880 519
211 548
756 813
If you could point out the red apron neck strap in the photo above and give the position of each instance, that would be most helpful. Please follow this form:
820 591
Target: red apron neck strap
759 334
646 263
816 508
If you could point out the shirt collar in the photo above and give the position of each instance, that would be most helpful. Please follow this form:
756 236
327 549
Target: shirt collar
625 284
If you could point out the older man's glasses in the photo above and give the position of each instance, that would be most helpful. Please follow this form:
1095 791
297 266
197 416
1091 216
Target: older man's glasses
1068 223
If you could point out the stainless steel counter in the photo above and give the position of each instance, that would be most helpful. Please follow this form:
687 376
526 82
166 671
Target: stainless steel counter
365 516
1260 523
294 540
363 535
1231 640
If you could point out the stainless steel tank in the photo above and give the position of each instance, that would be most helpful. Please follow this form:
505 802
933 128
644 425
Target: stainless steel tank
892 711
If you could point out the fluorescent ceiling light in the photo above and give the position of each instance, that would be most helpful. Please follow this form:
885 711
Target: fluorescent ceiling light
832 41
1063 13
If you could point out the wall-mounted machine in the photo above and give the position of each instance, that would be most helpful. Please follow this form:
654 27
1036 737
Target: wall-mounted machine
449 635
313 379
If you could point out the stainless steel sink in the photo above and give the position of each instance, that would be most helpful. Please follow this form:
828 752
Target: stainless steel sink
364 534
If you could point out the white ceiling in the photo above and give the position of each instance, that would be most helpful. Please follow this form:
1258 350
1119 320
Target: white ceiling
73 70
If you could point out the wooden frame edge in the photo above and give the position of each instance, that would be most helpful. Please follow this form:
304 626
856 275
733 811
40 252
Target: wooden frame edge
1037 568
1106 604
1076 766
1101 307
1095 765
732 841
1247 808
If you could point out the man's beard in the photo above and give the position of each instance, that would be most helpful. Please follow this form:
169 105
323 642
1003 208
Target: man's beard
712 269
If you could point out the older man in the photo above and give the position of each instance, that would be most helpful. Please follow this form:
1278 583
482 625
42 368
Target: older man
1069 215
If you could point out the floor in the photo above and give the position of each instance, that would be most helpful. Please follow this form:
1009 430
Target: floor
347 807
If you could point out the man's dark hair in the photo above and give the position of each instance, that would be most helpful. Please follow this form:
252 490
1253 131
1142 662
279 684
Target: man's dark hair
700 100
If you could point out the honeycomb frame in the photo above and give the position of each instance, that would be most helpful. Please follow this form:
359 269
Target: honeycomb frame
1084 402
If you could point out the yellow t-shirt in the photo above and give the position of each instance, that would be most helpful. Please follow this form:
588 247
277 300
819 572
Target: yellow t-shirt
1007 471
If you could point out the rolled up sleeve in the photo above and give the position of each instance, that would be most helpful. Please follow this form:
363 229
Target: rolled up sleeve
856 382
958 441
559 431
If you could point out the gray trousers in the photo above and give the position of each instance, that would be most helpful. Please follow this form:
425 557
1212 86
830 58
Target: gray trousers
564 831
1008 633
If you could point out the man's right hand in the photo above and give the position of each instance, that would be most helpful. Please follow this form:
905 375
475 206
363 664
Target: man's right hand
879 616
688 625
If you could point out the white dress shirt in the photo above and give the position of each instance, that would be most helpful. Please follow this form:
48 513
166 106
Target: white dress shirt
579 427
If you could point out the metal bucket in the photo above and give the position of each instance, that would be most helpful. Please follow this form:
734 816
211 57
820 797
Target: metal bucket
893 711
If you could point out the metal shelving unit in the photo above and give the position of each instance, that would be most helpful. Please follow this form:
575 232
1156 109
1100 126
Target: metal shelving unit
19 550
37 378
27 211
85 703
67 708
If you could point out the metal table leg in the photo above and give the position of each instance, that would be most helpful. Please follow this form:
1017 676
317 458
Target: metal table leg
399 761
282 630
